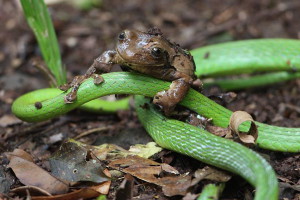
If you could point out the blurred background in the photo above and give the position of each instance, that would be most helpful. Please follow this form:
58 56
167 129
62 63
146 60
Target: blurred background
86 28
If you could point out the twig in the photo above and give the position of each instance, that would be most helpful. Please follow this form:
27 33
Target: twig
85 133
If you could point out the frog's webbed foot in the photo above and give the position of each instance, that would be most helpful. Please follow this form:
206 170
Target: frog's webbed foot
102 64
77 81
168 99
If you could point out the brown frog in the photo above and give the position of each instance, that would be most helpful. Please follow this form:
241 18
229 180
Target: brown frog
148 53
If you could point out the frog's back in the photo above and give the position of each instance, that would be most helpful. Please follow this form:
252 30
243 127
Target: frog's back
184 62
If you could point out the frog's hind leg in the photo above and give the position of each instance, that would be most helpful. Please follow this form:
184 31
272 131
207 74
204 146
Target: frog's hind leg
168 99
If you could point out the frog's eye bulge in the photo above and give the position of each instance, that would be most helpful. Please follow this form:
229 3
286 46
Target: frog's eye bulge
122 36
157 52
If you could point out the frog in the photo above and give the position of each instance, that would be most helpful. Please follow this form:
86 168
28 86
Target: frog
149 53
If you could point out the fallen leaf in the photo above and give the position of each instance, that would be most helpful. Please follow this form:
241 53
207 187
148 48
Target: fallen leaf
108 152
190 196
285 180
175 185
111 151
55 138
8 120
287 185
239 117
145 151
228 97
169 168
84 193
72 162
23 154
33 191
219 131
31 174
210 173
152 172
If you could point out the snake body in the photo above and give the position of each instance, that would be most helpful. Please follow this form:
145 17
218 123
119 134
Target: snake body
279 56
176 135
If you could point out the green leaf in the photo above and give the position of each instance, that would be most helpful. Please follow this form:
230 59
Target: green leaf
40 22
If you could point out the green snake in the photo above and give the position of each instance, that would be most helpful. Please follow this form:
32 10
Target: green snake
182 137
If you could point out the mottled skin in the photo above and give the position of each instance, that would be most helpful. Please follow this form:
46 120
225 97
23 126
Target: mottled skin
148 53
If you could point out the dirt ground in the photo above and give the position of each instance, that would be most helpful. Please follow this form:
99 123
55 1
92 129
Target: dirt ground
84 34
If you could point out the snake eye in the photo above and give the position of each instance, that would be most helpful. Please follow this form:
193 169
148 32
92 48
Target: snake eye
156 52
122 36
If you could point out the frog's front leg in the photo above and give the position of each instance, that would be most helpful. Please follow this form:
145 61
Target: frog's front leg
168 99
102 64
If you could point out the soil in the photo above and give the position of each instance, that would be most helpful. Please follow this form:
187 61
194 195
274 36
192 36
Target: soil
84 34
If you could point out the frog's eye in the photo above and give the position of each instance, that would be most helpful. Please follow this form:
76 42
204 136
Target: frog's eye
122 36
156 52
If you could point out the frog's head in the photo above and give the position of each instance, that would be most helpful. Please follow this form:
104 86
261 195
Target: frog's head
143 49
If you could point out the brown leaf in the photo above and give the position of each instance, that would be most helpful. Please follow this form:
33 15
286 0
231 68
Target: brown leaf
108 152
219 131
239 117
8 120
84 193
23 154
210 173
190 196
291 186
33 191
32 175
169 168
154 172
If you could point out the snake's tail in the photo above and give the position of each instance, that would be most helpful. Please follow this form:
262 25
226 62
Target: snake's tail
206 147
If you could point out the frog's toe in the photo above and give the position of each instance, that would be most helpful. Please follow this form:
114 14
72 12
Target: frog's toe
97 79
70 98
64 87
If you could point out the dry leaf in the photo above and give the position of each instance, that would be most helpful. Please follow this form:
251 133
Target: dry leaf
111 151
151 171
8 120
23 154
210 173
73 162
219 131
145 151
33 191
190 196
84 193
285 180
287 185
32 175
169 168
108 152
236 119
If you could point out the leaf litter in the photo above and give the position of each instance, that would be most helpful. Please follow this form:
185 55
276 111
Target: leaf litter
239 117
31 174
